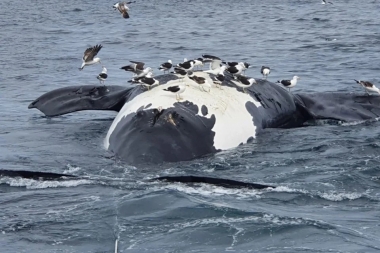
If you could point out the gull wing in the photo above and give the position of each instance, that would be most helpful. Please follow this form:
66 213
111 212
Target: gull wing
91 52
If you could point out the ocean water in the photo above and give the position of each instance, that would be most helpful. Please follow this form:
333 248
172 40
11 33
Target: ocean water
328 194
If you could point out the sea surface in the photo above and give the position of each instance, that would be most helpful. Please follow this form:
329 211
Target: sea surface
328 177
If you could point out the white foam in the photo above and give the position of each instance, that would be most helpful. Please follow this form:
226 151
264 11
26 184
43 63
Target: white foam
340 196
211 190
331 195
35 184
71 169
228 106
355 123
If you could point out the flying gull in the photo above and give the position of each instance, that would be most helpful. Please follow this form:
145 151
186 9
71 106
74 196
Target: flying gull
368 86
89 54
325 2
123 8
137 68
215 63
102 76
289 83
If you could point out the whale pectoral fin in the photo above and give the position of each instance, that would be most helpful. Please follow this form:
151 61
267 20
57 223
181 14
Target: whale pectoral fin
227 183
345 107
78 98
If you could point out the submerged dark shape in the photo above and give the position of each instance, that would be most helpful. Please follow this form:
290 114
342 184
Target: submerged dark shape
186 130
226 183
47 176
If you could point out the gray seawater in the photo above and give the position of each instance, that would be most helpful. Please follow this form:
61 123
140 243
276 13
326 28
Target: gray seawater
328 198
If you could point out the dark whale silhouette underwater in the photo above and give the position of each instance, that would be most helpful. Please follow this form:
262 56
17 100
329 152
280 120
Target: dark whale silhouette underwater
152 126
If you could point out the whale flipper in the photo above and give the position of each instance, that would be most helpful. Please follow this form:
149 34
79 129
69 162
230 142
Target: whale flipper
347 107
78 98
44 176
226 183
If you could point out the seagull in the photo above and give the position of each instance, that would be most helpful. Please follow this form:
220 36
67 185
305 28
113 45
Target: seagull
102 76
210 57
123 8
149 81
166 66
215 64
243 82
325 2
201 81
219 78
136 79
198 62
289 83
181 72
89 54
177 89
187 65
265 71
236 69
137 68
368 86
234 63
244 65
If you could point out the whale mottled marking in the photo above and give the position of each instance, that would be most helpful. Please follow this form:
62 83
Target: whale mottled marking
225 107
177 131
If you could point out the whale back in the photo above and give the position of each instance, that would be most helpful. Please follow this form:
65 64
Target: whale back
154 127
339 106
78 98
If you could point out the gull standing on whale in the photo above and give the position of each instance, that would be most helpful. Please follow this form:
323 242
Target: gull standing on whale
289 83
166 66
89 56
177 90
219 78
265 71
102 76
243 82
148 80
201 81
